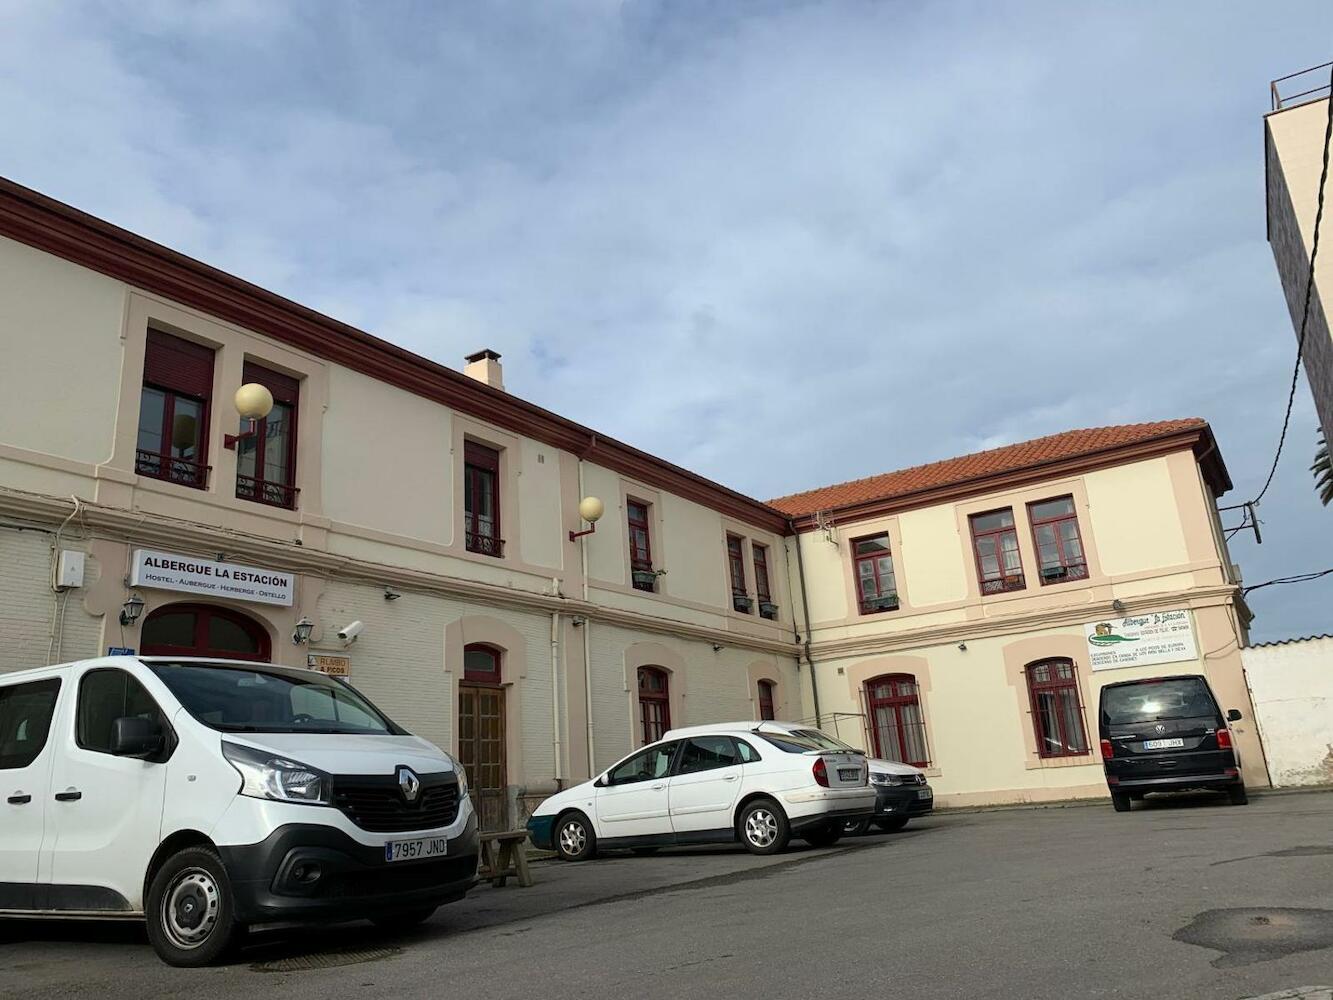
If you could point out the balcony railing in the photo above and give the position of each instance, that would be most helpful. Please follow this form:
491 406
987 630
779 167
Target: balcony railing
643 576
263 491
741 601
173 470
1059 574
1002 584
486 545
874 605
1300 88
767 609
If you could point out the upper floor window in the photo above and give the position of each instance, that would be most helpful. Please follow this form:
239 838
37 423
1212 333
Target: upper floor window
481 499
767 609
995 541
766 691
1057 710
266 459
654 703
876 588
173 411
640 547
896 723
740 597
1059 548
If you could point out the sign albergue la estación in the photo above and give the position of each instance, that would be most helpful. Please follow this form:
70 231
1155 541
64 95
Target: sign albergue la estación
1141 640
210 578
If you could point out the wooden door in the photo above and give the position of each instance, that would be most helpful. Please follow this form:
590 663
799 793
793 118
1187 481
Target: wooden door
481 750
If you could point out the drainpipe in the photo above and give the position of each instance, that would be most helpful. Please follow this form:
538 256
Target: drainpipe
805 608
587 627
555 698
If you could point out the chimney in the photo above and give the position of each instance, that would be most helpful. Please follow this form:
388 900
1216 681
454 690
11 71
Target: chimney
484 366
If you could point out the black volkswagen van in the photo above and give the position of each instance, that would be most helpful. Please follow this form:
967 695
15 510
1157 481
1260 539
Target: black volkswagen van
1166 734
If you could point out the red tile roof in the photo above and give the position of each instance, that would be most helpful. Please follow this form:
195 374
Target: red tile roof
981 466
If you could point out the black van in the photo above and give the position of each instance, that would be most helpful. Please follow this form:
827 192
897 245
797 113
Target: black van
1166 734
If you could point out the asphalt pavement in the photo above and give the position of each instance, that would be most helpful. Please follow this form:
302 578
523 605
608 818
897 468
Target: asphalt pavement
1184 899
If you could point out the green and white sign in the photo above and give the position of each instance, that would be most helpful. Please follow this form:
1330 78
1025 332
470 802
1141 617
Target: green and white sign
1141 640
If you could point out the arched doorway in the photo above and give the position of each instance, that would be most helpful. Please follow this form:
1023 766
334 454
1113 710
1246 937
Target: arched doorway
481 733
203 630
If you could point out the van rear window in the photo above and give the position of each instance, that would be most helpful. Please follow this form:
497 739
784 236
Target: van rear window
1182 698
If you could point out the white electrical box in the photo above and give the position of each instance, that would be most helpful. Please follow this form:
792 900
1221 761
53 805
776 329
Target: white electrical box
69 569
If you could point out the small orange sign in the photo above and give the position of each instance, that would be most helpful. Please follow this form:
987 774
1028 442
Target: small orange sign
333 664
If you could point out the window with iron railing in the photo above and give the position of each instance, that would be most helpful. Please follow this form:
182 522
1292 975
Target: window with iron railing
1060 555
767 609
897 726
481 500
1057 709
266 455
654 703
995 544
172 442
876 585
642 575
740 597
766 700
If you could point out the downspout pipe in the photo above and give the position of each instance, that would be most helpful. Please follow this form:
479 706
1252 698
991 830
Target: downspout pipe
556 748
587 627
805 609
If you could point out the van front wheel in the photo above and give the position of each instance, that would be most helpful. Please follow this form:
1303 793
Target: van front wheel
190 910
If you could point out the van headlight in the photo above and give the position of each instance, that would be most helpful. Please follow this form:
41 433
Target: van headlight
885 779
462 780
268 776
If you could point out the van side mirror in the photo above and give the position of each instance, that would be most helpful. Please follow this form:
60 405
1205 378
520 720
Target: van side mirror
1233 715
135 736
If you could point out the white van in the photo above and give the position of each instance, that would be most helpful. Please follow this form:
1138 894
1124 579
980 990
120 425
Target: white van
208 796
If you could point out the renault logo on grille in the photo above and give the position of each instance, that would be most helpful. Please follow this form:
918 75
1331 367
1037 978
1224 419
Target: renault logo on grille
409 784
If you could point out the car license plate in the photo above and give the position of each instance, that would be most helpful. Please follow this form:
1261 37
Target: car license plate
1162 744
413 850
924 793
849 773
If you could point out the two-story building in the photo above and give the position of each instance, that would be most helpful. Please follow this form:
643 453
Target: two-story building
963 614
192 465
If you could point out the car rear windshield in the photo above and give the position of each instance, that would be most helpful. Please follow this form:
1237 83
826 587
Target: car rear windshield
825 741
802 741
235 699
1182 698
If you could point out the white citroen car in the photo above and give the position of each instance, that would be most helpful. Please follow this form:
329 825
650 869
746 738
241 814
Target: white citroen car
710 785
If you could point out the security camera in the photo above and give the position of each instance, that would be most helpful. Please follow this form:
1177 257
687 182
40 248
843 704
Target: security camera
348 633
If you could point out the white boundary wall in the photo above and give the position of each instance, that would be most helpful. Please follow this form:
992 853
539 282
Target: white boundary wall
1291 685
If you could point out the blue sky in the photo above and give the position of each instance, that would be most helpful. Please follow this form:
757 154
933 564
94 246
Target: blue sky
782 244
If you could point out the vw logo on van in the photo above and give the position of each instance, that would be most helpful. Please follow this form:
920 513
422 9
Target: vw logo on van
409 784
1160 728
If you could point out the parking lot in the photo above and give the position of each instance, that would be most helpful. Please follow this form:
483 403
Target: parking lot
1182 899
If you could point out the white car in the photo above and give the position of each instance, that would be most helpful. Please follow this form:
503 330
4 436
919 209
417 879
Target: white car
205 796
901 790
710 785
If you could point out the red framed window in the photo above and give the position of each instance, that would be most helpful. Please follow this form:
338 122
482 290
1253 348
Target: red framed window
173 411
995 542
876 586
654 703
1057 709
481 500
481 664
203 630
740 597
767 609
640 547
266 459
1060 555
767 689
896 723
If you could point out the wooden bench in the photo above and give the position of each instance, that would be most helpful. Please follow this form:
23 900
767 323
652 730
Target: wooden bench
503 855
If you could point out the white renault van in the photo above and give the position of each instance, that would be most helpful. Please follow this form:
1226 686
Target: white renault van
208 796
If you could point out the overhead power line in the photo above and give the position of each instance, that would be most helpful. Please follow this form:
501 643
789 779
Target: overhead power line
1299 578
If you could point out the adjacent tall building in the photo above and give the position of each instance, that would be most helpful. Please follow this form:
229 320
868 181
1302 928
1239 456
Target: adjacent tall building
431 536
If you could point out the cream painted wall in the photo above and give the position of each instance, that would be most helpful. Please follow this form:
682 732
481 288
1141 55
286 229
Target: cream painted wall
931 557
405 489
1134 517
825 576
1292 687
28 607
539 511
692 541
61 327
606 546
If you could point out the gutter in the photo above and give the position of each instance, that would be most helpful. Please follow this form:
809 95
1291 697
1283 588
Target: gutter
805 609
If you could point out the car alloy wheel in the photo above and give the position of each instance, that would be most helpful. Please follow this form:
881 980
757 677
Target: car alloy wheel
761 827
573 838
190 908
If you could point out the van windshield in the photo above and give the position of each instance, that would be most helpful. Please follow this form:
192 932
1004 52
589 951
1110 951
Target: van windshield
1182 698
236 699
